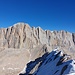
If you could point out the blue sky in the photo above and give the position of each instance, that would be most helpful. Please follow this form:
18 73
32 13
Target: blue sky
48 14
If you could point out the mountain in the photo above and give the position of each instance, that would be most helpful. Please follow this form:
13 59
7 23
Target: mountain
20 44
21 35
54 63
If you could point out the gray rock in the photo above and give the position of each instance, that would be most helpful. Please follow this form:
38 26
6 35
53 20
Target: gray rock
21 35
31 43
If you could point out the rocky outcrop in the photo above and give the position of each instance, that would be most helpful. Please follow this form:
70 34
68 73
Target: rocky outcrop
54 63
21 35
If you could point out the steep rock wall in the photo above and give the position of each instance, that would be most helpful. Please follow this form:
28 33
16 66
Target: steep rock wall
21 35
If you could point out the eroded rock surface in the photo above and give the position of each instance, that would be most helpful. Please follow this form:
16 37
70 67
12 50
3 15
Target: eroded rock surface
21 35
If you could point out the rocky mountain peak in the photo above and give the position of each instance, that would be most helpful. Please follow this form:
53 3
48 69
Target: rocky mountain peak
18 35
20 44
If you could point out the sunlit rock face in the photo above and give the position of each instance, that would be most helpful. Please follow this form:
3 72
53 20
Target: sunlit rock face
53 63
21 35
20 44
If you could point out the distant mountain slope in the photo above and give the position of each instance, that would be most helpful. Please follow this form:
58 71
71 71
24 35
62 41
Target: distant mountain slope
54 63
21 35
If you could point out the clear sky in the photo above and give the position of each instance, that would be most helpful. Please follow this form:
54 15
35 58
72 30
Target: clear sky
48 14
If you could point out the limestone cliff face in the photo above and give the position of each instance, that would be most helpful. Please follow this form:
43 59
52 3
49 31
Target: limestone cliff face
21 35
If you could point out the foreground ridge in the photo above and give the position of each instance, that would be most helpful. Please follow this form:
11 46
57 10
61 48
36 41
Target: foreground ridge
53 63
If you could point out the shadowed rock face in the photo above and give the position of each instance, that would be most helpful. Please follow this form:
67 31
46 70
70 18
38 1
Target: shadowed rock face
21 35
73 36
54 63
